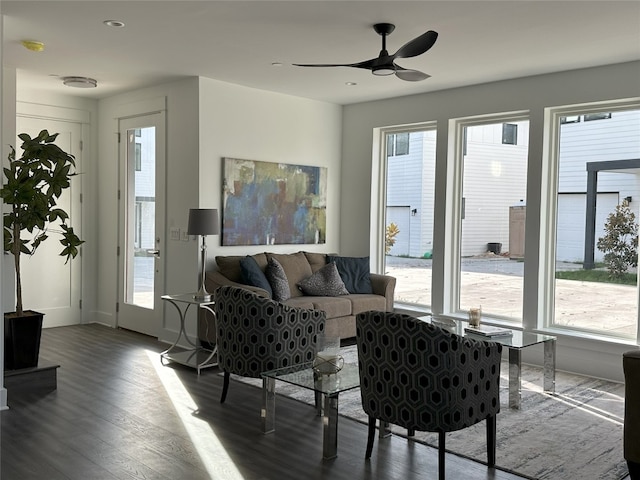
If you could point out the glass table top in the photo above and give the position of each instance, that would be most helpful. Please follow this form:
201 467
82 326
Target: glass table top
303 375
519 339
186 298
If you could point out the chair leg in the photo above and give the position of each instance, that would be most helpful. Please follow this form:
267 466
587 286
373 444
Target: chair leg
225 387
441 450
371 436
491 441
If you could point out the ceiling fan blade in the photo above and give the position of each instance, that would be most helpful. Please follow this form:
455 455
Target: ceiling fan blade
410 75
368 64
417 46
320 65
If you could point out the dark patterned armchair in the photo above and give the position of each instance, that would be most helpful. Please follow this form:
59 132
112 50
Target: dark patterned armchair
421 377
631 367
256 334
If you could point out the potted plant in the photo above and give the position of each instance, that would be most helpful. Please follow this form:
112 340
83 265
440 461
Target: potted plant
33 184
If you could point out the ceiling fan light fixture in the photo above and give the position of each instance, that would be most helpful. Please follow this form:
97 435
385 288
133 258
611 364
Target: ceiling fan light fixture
79 82
383 70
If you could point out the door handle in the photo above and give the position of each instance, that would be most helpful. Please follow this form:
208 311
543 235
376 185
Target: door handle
155 253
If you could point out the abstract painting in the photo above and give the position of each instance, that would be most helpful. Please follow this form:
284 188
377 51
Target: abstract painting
266 203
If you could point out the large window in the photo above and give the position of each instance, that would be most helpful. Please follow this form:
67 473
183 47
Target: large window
598 193
409 213
492 217
471 224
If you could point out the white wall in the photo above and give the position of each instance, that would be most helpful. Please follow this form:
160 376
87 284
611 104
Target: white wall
530 94
245 123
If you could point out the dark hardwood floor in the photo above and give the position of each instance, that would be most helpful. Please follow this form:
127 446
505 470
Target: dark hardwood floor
118 414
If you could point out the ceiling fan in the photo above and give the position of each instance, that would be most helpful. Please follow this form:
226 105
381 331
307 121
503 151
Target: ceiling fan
385 64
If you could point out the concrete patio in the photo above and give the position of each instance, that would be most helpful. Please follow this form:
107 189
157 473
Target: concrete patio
495 282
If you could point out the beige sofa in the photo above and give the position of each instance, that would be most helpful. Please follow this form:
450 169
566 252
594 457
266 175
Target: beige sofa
341 310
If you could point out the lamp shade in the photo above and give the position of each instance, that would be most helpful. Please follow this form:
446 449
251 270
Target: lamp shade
203 221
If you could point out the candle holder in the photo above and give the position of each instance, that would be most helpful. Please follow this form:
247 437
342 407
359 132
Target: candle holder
328 359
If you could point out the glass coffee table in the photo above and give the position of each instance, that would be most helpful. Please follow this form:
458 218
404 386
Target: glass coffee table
515 344
327 388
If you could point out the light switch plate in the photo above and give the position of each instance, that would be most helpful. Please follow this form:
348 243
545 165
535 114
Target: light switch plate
175 234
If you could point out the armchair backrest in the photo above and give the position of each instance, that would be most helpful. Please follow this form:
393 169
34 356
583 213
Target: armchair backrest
422 377
257 334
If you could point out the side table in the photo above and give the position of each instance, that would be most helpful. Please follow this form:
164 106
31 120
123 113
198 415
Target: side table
197 356
326 387
514 344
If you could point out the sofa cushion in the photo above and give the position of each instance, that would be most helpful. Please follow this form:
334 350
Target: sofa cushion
316 260
333 306
278 280
363 303
354 272
253 275
296 268
300 302
229 265
325 282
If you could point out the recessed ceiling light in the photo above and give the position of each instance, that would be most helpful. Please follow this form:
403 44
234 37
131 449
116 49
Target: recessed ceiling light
114 23
79 82
350 84
33 45
276 64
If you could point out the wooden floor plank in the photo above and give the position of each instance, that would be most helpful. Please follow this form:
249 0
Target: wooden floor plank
119 414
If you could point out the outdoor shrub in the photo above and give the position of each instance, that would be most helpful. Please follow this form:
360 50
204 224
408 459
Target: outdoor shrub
620 242
391 232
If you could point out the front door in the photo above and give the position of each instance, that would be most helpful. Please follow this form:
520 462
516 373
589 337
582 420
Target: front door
49 285
141 223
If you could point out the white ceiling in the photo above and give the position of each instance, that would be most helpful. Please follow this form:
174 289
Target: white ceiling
237 42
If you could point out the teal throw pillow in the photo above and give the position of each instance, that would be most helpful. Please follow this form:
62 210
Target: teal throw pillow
355 273
253 275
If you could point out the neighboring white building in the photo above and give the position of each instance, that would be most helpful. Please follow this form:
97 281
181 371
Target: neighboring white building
494 181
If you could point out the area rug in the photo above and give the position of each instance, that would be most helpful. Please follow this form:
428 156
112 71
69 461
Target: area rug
574 434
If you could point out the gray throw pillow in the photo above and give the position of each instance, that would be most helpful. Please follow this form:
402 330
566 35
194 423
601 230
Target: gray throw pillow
278 280
325 282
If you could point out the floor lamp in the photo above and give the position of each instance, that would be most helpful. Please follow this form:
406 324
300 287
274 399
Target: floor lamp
203 222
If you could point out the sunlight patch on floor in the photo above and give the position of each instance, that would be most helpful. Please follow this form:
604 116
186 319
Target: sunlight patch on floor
590 409
212 453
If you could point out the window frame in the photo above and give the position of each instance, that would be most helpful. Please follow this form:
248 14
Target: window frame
379 188
453 234
544 320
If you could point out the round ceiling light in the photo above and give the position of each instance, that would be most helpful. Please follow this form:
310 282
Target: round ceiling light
114 23
79 82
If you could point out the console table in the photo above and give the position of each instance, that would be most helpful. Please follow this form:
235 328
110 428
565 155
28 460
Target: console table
197 356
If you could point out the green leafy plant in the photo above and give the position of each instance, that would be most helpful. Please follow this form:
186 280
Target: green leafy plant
33 184
390 234
620 242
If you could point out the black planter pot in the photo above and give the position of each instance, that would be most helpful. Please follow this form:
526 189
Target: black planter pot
22 340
